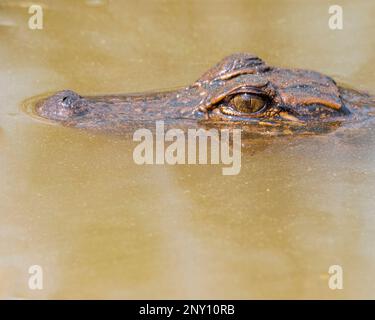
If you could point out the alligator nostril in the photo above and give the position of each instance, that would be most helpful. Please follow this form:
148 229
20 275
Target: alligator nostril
68 100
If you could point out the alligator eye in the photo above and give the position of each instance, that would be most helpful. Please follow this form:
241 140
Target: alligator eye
248 103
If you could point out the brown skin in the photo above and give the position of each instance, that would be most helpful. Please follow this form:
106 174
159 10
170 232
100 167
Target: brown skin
241 89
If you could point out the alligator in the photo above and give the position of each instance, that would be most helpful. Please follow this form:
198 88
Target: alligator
241 89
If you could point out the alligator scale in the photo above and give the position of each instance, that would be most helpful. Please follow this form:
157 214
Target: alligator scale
241 90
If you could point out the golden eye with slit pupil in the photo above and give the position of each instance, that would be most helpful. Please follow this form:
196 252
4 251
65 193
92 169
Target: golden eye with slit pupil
248 103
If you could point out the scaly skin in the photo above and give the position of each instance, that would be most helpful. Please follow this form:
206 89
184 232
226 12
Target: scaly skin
240 90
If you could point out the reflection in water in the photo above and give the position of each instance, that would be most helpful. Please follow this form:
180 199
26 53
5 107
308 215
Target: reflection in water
101 226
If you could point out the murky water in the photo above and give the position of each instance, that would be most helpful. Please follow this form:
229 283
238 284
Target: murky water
101 226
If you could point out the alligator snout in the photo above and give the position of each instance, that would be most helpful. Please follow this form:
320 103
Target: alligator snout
62 106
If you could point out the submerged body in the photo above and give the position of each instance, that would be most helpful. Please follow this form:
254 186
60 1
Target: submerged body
240 90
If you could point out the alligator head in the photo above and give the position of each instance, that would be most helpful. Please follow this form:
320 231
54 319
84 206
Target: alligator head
240 89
